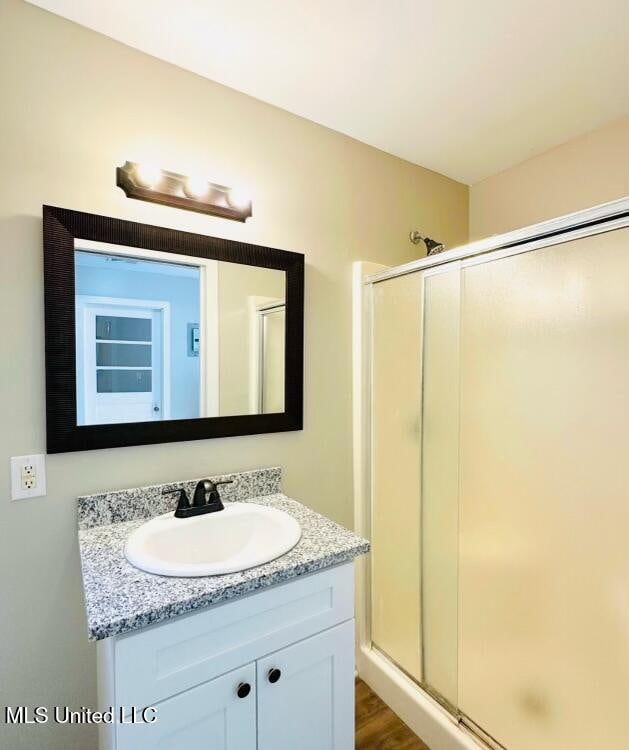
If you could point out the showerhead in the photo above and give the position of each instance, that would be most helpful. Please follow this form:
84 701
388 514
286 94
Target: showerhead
432 246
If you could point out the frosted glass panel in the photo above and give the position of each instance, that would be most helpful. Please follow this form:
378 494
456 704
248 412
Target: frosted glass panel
544 503
123 355
395 556
440 482
123 329
123 381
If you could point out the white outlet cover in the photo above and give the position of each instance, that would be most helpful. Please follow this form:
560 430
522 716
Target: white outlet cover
38 462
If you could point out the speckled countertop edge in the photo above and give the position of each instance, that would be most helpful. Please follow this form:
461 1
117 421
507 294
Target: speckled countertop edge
120 598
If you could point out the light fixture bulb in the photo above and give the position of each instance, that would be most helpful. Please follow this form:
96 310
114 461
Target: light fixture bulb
148 175
238 199
196 187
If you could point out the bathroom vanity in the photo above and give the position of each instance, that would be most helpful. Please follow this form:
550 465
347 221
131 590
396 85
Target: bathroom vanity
262 659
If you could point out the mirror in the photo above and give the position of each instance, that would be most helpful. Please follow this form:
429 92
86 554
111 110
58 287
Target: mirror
170 336
175 338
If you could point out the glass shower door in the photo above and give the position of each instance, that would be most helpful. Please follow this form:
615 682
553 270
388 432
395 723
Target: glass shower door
500 490
414 463
544 496
395 472
439 498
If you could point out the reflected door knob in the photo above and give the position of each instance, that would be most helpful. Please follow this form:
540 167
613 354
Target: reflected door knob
243 690
274 675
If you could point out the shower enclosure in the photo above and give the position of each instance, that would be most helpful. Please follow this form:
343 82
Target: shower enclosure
494 484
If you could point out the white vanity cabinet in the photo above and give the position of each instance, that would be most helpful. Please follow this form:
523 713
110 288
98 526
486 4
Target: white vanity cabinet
311 706
209 716
273 670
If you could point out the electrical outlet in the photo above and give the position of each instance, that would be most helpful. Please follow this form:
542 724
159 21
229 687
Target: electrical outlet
28 477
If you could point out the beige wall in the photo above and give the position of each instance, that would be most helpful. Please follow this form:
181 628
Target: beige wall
74 105
583 172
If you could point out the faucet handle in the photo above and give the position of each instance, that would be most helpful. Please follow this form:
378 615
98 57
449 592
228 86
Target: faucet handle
213 497
183 502
215 493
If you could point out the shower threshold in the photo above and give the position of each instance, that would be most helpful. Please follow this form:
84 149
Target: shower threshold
480 734
466 724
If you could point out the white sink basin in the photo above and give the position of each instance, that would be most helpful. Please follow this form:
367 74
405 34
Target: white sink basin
241 536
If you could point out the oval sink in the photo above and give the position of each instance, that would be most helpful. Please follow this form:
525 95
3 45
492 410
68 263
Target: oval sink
241 536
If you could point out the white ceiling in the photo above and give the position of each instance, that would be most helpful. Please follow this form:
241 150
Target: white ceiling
464 87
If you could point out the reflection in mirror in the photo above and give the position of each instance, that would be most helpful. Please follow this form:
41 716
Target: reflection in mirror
271 328
161 336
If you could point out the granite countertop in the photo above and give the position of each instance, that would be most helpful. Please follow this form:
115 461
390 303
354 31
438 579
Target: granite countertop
120 598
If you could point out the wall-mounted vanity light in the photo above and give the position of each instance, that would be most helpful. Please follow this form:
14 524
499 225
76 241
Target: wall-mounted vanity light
148 183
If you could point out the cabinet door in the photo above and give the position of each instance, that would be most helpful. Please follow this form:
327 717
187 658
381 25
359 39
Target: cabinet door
208 717
306 694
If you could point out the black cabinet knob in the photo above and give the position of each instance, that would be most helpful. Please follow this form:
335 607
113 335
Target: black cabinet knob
243 690
274 675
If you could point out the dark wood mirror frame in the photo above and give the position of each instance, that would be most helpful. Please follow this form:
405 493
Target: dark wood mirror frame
61 228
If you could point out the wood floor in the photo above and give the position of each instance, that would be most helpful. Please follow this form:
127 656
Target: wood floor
377 727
